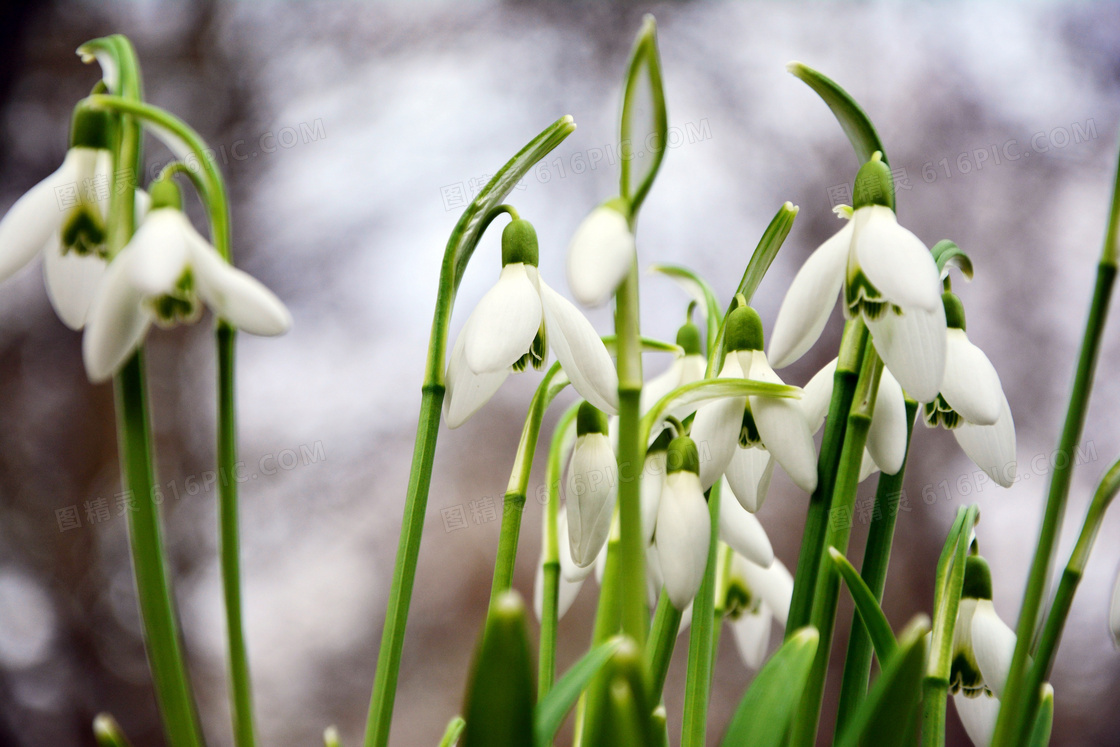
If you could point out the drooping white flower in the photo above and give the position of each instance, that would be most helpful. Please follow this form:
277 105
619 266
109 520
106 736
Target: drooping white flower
887 276
600 254
777 425
983 646
971 402
756 596
592 487
742 531
64 218
886 437
164 275
683 533
514 325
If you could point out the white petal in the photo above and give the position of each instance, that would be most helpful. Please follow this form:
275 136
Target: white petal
716 433
991 447
912 346
743 532
39 213
810 299
161 253
71 282
683 536
774 585
993 642
867 466
569 571
971 385
748 476
896 261
1114 613
591 489
600 256
653 476
234 295
783 428
466 390
817 395
502 327
752 636
978 716
118 320
886 438
580 351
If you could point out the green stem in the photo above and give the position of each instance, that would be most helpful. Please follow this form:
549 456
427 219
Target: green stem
549 606
157 610
241 692
1071 577
946 602
820 503
631 458
606 625
662 640
839 529
514 505
876 559
1015 720
698 680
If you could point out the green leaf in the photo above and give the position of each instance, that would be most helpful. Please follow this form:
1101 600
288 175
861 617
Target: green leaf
765 712
108 732
451 734
644 126
649 345
882 637
701 290
1040 736
762 257
853 120
554 707
625 715
946 253
888 717
467 232
499 705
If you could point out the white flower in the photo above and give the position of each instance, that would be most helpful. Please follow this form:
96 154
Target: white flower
757 596
514 325
972 404
983 646
592 487
887 276
683 533
742 531
775 424
163 275
886 437
600 255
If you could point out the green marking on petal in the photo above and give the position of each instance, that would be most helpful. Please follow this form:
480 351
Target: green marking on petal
181 306
83 232
748 433
938 412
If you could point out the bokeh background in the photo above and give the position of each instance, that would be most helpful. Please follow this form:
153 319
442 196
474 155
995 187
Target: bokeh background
352 135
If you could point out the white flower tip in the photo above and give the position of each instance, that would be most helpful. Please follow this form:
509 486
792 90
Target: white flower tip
599 256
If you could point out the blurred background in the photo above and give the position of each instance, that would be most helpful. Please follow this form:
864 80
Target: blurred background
352 136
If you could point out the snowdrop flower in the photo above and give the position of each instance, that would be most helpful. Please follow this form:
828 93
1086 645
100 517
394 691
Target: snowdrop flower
601 254
982 649
683 524
63 217
756 596
972 404
887 276
514 325
886 438
163 275
591 486
742 531
736 424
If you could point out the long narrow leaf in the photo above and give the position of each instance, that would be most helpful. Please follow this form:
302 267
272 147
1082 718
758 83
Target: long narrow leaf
765 712
889 715
882 637
853 120
644 98
499 703
554 707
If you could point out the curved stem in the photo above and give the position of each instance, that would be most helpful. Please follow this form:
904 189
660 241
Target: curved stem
519 482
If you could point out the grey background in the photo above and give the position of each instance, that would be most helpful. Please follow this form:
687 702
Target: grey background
391 108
